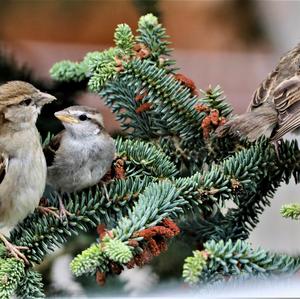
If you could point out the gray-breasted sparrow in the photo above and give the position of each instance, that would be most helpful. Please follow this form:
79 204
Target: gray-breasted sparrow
22 163
79 156
275 106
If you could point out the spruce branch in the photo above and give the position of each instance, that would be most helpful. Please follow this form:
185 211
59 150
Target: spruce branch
116 250
169 98
68 71
124 39
233 259
146 156
153 35
291 211
90 207
89 261
233 179
193 266
214 98
11 274
30 286
121 95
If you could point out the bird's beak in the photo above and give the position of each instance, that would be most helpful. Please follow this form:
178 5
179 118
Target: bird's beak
45 98
66 118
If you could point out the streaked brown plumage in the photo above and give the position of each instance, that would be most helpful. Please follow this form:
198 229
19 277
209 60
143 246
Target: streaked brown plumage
275 106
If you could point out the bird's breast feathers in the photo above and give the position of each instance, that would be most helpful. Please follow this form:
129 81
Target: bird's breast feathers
80 163
26 176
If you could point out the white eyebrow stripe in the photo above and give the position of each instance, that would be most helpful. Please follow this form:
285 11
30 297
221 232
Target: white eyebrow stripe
96 116
77 112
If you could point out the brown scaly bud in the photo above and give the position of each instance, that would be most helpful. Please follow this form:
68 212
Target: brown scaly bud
214 117
101 231
141 50
223 120
119 65
140 96
206 126
119 169
144 107
119 69
107 177
162 245
168 223
100 278
144 53
115 268
149 233
143 258
133 243
235 184
153 247
130 264
201 107
137 47
187 82
118 61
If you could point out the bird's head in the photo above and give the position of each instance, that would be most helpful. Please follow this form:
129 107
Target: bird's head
81 121
21 102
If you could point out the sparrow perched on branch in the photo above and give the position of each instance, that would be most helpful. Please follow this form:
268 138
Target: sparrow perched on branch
22 163
275 106
79 156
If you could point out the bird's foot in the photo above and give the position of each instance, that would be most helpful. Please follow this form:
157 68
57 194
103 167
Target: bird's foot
105 191
63 212
48 210
276 144
14 250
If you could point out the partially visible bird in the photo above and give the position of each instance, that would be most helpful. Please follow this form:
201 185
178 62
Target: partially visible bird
79 156
275 106
22 163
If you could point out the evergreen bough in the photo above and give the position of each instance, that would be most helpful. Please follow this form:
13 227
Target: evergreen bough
173 167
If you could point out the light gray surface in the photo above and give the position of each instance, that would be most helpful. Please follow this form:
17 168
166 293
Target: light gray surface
275 232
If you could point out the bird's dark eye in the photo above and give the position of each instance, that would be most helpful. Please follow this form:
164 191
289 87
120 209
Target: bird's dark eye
26 102
83 117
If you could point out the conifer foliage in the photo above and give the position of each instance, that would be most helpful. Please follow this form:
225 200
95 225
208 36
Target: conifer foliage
169 165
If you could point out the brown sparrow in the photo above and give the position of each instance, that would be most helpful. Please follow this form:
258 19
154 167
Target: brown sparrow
79 156
22 163
275 106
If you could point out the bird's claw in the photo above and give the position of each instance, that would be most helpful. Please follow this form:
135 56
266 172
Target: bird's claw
14 250
63 213
49 210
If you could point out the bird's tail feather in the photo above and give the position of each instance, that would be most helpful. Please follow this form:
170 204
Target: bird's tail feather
252 124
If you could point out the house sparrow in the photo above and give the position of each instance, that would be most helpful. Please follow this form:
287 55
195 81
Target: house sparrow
275 106
79 156
22 163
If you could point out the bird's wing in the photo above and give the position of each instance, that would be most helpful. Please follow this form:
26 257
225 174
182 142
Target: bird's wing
291 123
4 160
264 90
286 95
51 148
288 65
286 98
